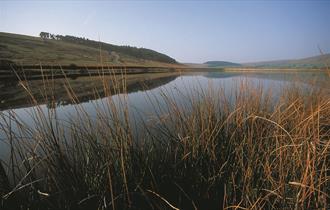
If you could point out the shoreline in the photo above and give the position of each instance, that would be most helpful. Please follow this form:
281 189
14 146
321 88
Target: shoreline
36 72
14 96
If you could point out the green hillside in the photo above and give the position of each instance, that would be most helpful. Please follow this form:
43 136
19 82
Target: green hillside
67 50
320 61
221 64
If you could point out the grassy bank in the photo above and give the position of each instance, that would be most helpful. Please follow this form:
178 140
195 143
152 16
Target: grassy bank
72 71
247 152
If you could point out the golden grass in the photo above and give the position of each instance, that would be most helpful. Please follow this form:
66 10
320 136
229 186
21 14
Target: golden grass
212 153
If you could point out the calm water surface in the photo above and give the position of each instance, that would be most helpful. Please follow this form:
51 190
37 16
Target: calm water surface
146 104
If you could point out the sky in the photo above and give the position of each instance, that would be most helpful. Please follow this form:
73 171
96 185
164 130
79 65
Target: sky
189 31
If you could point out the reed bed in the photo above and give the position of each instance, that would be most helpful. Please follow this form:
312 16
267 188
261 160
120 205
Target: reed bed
247 152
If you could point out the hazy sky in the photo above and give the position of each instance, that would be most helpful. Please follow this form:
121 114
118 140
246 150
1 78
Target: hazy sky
189 31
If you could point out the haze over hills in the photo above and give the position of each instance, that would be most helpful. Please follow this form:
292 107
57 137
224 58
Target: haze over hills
213 64
319 61
221 64
68 50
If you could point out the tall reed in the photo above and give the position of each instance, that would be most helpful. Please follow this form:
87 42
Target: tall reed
212 152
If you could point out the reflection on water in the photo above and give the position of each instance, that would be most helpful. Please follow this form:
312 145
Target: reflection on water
319 77
146 101
142 97
13 94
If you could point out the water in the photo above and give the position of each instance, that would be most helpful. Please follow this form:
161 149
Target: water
149 104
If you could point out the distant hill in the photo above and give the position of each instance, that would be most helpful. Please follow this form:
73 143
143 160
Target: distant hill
67 50
196 65
320 61
221 64
311 62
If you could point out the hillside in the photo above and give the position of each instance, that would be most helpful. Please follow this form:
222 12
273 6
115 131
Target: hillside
213 64
320 61
28 50
221 64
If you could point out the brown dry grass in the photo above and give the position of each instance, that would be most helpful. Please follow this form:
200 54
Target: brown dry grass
249 153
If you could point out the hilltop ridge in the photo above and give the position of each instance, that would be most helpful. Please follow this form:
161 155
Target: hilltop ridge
70 50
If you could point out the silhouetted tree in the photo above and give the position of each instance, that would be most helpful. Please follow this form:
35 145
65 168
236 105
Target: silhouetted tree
44 35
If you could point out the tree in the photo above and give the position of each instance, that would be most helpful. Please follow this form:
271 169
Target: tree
44 35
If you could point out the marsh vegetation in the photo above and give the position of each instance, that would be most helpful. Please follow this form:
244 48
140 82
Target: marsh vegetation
245 146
